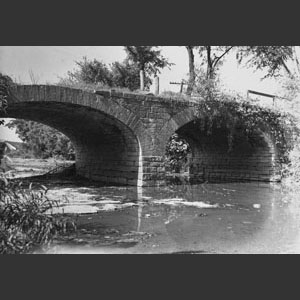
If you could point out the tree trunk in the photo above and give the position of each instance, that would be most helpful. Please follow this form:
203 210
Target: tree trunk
156 85
296 59
210 69
142 78
192 74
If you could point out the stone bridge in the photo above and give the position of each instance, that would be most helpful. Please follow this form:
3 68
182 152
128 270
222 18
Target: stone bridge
121 137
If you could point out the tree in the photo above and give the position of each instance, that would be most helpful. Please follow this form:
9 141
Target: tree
148 60
116 75
270 58
192 73
206 88
91 71
6 83
212 57
41 140
127 75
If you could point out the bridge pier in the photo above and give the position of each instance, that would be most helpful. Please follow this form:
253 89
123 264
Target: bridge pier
120 137
154 172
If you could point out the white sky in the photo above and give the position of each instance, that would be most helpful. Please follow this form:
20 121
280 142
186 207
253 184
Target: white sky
48 63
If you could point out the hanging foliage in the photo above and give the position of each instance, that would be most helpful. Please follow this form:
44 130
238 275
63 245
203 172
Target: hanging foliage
234 112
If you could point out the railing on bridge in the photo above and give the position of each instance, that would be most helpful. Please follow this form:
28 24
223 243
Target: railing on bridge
276 102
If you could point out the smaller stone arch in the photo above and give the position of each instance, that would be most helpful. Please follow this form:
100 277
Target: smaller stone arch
173 124
212 160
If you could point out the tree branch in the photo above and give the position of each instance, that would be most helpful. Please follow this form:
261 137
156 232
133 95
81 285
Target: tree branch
296 59
286 68
218 58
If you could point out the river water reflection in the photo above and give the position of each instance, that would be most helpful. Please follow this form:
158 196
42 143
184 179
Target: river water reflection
204 218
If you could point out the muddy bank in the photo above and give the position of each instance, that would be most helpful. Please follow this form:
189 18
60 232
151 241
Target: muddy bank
26 168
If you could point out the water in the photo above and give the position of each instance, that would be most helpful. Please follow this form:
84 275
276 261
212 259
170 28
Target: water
204 218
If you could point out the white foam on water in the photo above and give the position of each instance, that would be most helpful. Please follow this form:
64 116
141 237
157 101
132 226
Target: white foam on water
146 198
115 206
181 201
108 201
74 209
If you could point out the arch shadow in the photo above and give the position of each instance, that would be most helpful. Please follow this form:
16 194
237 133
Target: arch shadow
106 149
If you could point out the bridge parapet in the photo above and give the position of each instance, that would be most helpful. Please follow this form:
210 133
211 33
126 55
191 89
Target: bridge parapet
146 97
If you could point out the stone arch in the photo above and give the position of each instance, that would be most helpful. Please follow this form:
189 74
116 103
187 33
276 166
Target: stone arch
104 103
173 124
109 139
212 160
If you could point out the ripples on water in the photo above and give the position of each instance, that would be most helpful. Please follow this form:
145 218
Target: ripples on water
203 218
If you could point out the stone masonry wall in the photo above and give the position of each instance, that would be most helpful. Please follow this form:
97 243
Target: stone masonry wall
121 137
110 158
153 171
213 161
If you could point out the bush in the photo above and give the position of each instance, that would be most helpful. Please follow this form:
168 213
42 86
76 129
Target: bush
177 153
6 83
24 224
291 171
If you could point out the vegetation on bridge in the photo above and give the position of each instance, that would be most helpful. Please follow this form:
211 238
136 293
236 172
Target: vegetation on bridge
235 112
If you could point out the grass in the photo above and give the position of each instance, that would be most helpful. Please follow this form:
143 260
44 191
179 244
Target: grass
24 224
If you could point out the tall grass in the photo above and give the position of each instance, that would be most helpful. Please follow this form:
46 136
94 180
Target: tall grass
24 222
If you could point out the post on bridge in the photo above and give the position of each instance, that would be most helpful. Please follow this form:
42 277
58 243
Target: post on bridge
182 83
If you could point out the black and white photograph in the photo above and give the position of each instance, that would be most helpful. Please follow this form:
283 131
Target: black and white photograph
150 149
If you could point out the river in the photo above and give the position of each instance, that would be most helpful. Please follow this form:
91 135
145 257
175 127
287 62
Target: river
203 218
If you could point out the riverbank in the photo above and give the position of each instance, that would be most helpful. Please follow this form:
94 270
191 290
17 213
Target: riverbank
28 167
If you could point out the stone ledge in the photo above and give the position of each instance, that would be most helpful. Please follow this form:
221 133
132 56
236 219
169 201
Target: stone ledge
146 96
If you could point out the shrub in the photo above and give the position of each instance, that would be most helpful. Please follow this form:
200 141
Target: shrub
24 224
291 171
177 153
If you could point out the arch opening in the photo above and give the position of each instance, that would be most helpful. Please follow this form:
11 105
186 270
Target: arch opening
213 159
40 141
106 149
